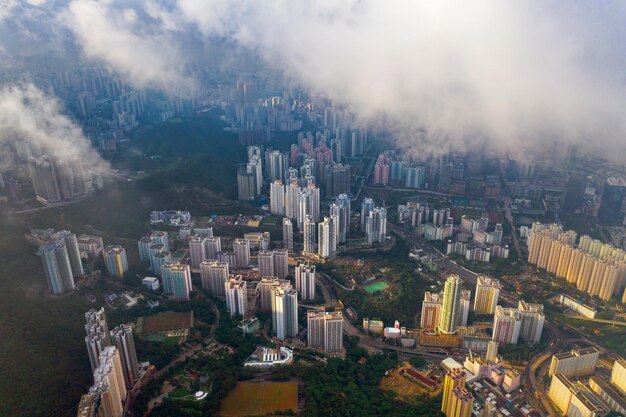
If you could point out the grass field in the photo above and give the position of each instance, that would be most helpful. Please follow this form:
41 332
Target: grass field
254 399
377 286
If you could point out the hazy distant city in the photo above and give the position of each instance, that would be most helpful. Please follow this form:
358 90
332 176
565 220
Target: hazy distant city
312 208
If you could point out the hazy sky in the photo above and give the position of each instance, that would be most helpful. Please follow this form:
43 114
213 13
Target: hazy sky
513 74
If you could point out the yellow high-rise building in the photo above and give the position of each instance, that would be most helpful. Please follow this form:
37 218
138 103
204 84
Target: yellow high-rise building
455 378
487 292
461 403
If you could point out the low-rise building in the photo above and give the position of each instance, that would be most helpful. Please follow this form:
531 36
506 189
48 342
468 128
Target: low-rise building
265 357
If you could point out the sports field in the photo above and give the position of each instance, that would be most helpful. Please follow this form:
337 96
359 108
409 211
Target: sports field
259 399
377 286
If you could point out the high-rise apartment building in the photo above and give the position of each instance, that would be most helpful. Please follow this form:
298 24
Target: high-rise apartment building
572 399
97 335
450 317
214 275
327 238
176 278
122 339
431 310
305 280
284 310
197 251
486 297
532 319
575 362
241 248
277 198
340 212
73 252
287 234
618 375
236 295
506 325
57 267
115 261
367 205
455 378
376 225
308 235
325 330
265 290
280 258
109 391
266 263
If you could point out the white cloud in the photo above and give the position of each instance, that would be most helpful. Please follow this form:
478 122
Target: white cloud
28 113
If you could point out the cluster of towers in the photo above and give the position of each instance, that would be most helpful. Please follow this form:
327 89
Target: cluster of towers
114 364
596 268
61 261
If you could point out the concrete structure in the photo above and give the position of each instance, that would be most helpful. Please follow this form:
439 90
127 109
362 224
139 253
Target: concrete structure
122 339
573 399
57 267
265 357
486 296
325 330
241 249
578 306
284 310
214 275
115 261
376 226
431 310
152 283
455 378
280 258
327 238
450 317
108 393
287 234
305 280
611 396
176 278
97 335
308 236
618 375
266 263
575 362
506 325
277 198
236 293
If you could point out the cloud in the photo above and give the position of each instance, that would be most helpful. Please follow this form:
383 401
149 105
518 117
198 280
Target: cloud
141 47
28 113
443 75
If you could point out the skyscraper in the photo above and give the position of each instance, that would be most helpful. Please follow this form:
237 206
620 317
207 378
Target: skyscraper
212 246
97 335
122 339
246 185
325 330
277 198
341 210
327 243
292 201
431 310
305 280
73 253
280 258
455 378
45 181
265 290
367 205
451 305
236 295
108 390
276 164
197 251
287 234
284 310
214 275
176 280
56 265
486 297
115 261
506 325
308 232
266 263
241 248
376 225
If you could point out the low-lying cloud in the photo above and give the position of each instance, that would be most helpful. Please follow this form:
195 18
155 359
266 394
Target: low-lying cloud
445 75
28 113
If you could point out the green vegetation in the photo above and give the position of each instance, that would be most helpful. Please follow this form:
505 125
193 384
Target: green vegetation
43 360
404 302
